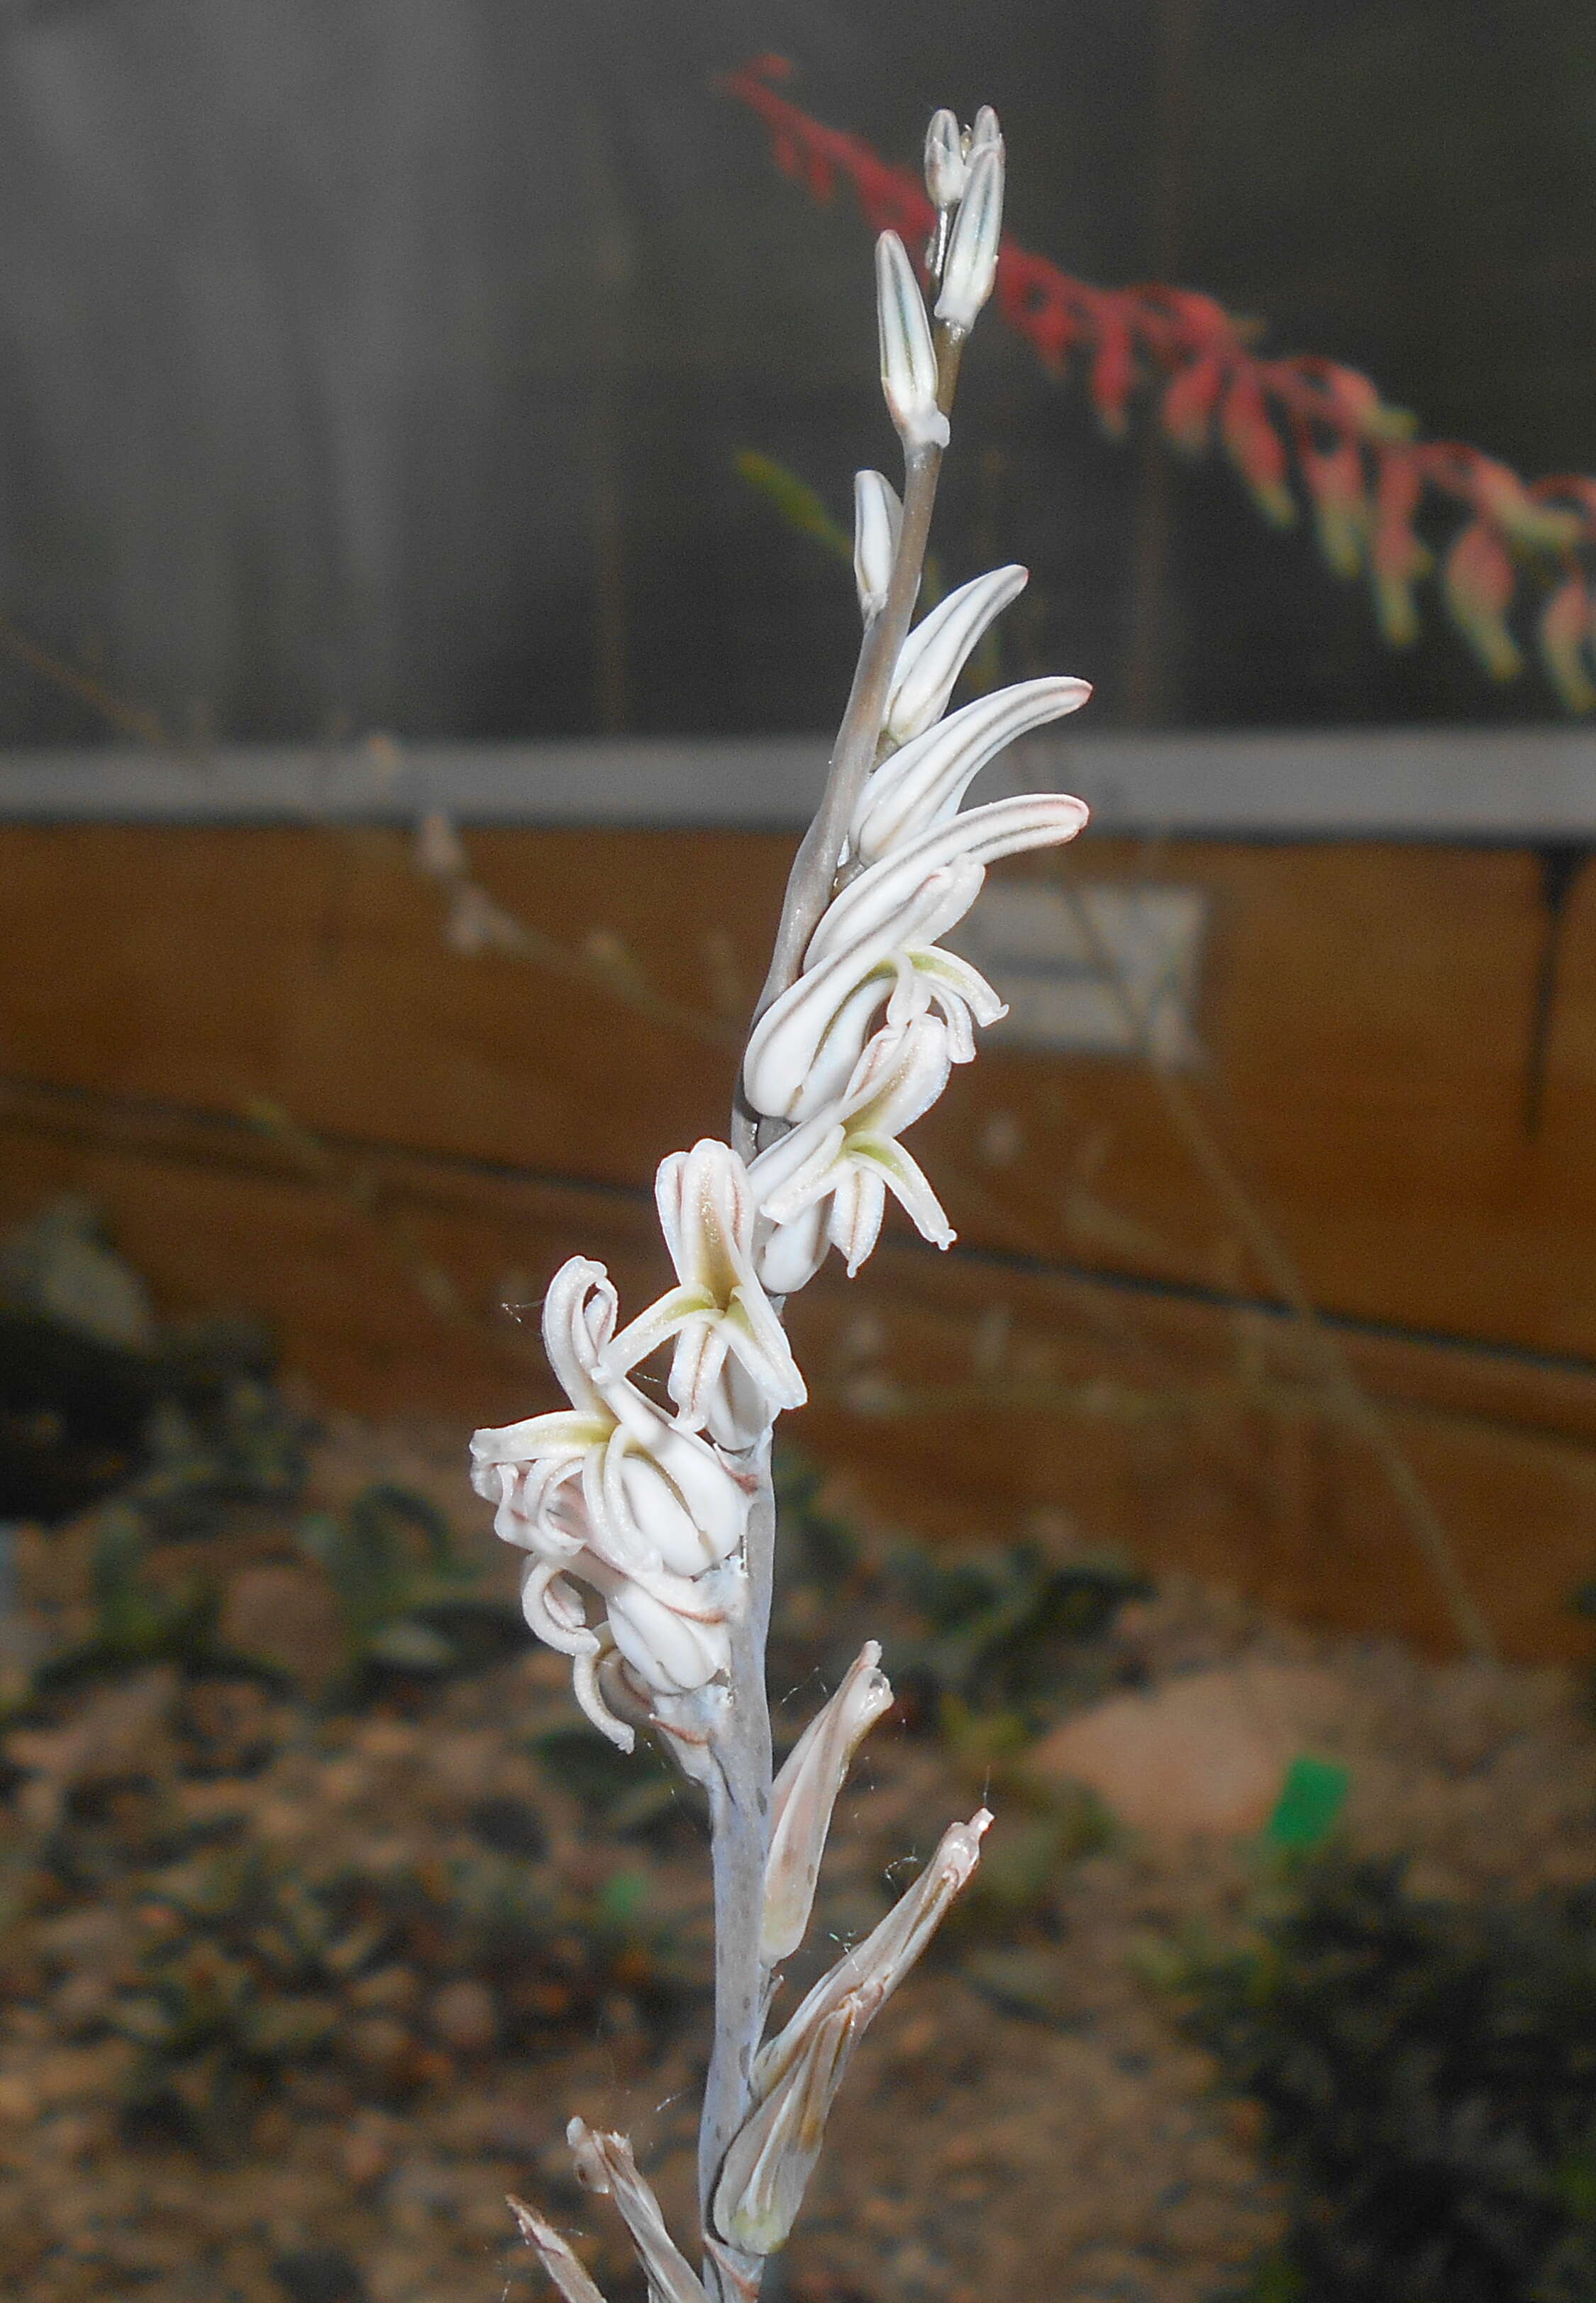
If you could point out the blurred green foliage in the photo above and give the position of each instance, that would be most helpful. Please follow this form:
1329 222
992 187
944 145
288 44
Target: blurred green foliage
1427 2075
403 1589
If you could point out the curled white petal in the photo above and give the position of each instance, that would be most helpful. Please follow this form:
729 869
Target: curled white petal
553 1608
923 784
908 377
971 264
589 1693
936 651
877 517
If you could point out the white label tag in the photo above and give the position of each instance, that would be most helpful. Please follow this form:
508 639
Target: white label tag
1101 969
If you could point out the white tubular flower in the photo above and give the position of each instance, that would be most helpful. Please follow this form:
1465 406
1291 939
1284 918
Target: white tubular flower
613 1495
867 1976
846 1160
936 651
971 264
1003 827
877 517
803 1050
909 378
767 2170
924 783
604 2164
719 1314
805 1795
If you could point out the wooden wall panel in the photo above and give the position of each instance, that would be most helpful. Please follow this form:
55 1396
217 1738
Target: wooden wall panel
1367 1016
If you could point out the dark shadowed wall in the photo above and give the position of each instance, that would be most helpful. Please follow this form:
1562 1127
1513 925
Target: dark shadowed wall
383 364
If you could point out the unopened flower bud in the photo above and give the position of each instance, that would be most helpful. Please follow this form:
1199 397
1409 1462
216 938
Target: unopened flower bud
908 378
972 260
877 517
945 168
983 135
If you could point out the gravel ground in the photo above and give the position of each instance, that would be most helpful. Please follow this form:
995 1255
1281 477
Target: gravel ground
1025 2118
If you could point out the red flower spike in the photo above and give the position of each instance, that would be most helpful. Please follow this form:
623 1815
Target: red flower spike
1567 644
1478 581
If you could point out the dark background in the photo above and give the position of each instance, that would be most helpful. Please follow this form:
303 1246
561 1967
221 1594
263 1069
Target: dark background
381 364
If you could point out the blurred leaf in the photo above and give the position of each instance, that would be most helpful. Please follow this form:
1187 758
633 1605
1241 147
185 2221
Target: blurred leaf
799 504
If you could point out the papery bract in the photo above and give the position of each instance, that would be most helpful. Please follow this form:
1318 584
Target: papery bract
872 1969
772 2158
604 2164
805 1794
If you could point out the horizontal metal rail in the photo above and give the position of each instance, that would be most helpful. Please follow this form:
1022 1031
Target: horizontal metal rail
1512 786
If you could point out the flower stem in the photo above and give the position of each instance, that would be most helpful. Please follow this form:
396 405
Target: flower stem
739 1790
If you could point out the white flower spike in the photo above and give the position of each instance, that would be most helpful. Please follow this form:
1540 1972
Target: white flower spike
909 378
877 519
723 1322
937 650
826 1183
648 1527
805 1795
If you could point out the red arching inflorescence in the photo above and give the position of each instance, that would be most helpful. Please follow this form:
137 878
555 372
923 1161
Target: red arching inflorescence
1366 473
